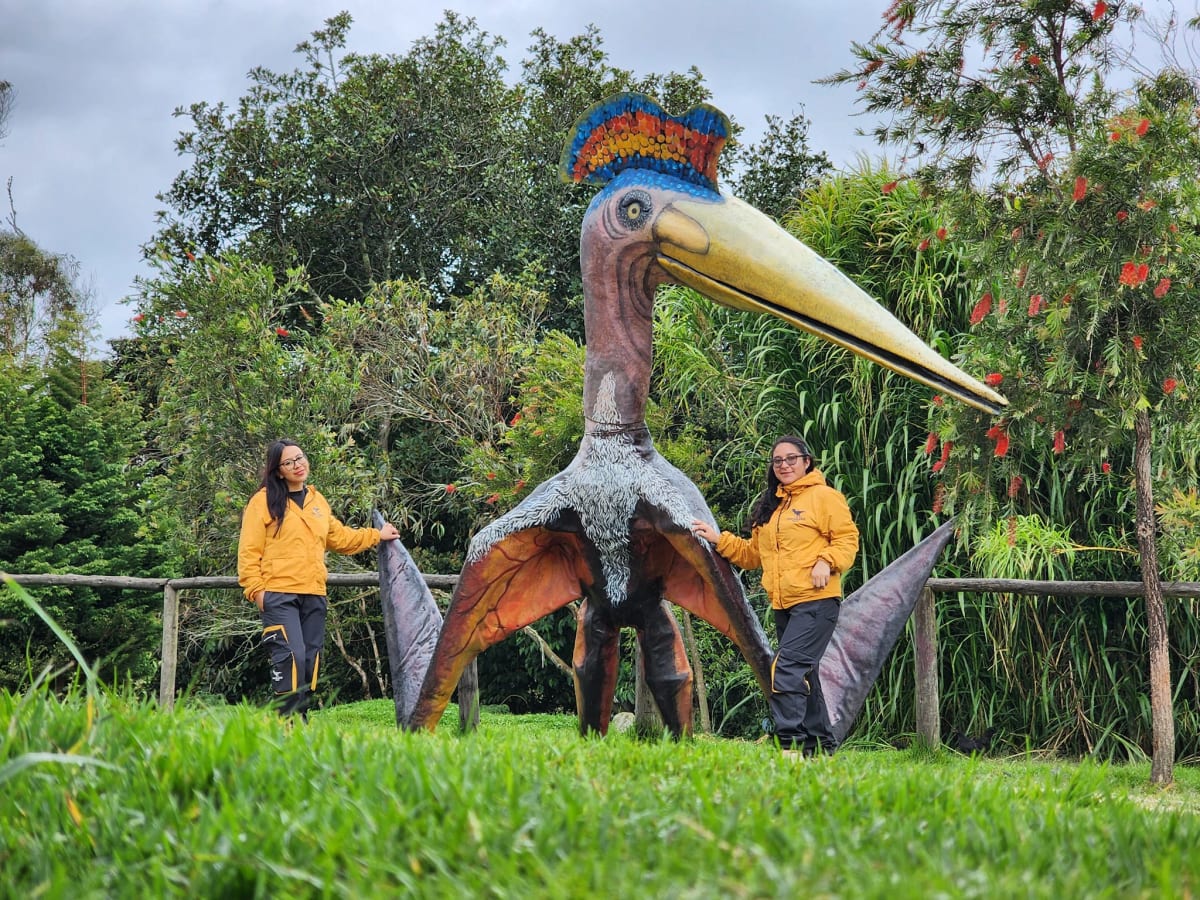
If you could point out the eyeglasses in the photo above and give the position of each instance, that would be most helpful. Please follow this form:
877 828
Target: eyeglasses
293 462
790 460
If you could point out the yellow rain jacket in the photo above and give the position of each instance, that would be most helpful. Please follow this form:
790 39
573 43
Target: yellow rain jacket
293 561
812 522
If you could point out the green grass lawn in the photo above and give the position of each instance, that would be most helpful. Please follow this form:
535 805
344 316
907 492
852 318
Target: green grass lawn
213 801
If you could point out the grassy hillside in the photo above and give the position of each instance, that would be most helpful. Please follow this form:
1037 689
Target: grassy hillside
114 798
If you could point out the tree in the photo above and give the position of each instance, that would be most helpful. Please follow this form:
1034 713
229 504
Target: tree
7 98
1097 342
363 168
1085 217
426 166
71 503
38 297
1038 84
776 172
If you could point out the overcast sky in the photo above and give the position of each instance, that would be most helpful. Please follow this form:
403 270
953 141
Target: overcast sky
91 137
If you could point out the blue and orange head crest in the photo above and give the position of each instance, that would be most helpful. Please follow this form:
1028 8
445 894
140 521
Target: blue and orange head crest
631 131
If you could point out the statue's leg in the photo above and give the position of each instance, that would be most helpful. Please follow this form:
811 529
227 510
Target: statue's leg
597 641
668 674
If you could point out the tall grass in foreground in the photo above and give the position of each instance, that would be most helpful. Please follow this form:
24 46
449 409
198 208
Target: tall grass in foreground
232 801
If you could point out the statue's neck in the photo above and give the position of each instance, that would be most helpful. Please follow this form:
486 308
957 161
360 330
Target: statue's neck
618 321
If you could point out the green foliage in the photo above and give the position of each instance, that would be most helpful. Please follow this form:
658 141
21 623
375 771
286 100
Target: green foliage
365 167
526 806
1101 268
779 169
71 503
1179 519
39 302
972 87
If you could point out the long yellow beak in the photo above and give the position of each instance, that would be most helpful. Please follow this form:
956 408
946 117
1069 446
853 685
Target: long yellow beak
738 257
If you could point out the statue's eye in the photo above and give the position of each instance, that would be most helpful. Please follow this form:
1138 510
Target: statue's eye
635 209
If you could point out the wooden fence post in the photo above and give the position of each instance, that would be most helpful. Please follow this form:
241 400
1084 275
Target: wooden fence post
468 698
929 727
170 647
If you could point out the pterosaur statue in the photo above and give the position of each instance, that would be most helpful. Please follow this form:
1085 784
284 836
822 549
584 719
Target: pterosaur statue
613 528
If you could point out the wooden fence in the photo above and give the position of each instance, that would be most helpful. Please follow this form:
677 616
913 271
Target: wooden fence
924 616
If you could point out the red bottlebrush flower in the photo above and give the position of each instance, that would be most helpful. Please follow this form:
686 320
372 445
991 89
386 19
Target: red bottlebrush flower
1115 136
1142 127
937 400
190 255
1016 233
1106 467
1173 228
1122 215
942 234
520 484
1132 274
993 432
1012 531
1020 275
1034 59
515 419
1002 307
1080 189
1014 486
872 66
491 476
494 498
181 313
939 498
923 246
890 186
1147 205
1060 441
993 378
1044 162
982 308
1160 289
1137 342
450 488
139 317
946 445
1002 445
931 442
1035 304
1169 385
939 465
1099 10
282 332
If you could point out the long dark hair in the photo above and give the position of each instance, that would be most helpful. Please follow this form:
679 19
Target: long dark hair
765 506
277 491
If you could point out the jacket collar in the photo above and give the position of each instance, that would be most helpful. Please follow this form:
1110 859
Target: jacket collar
813 478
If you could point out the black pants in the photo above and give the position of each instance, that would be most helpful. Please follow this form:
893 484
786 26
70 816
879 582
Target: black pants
293 633
797 704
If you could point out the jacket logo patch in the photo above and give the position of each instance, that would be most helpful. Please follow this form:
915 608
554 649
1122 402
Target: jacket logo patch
316 510
797 515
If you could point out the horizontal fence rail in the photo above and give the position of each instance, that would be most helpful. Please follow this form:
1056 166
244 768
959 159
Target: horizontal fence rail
924 616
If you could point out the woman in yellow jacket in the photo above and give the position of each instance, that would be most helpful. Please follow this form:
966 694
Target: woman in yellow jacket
803 537
286 528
